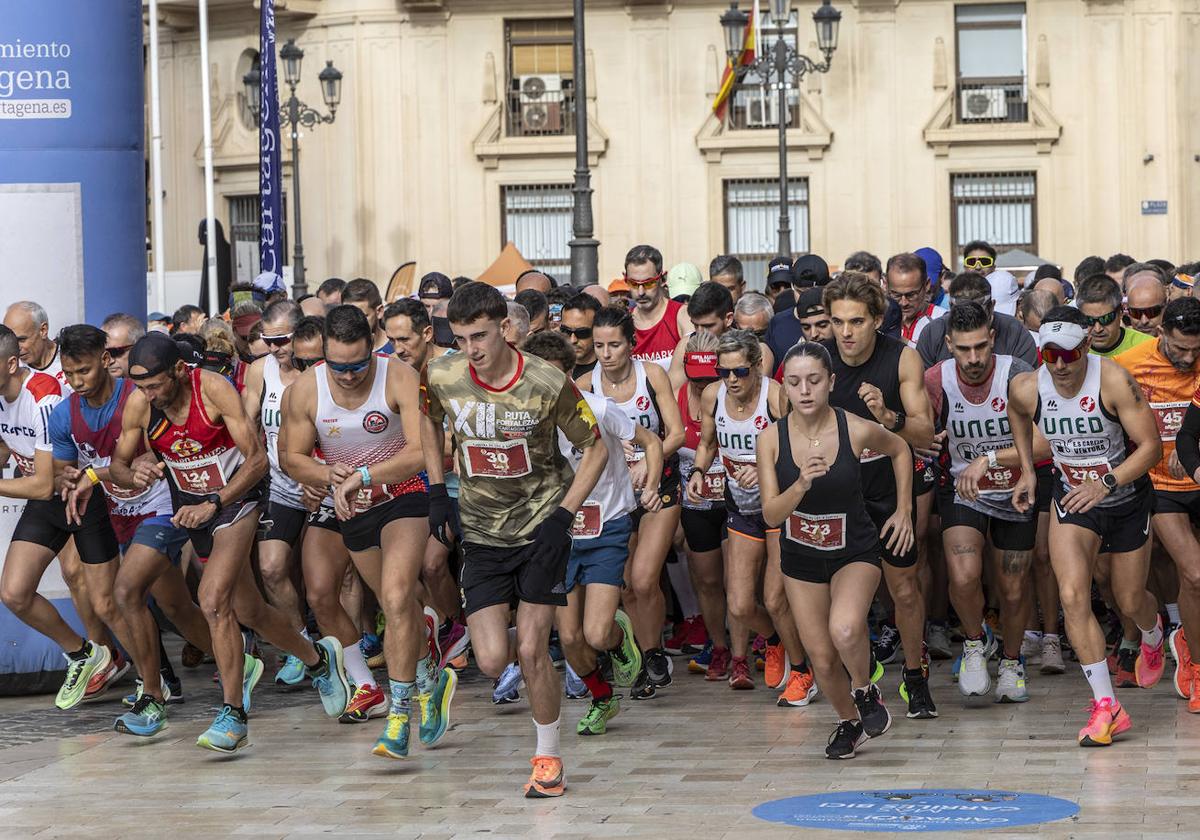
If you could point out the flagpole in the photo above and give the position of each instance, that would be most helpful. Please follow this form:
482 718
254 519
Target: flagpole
210 235
160 270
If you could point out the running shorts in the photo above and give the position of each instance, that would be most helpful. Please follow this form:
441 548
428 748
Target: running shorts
44 523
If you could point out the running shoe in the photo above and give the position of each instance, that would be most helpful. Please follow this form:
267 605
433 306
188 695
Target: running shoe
454 644
227 733
79 674
1052 657
557 657
507 686
599 713
872 713
778 667
172 692
626 658
1184 675
371 646
876 668
845 739
887 646
431 634
192 657
458 663
393 743
1193 705
147 717
547 779
659 667
292 674
368 701
915 690
573 686
991 642
1126 667
699 663
435 708
799 691
643 687
938 641
106 678
689 637
1150 664
718 667
252 671
1106 720
739 674
1031 647
329 676
973 677
1010 682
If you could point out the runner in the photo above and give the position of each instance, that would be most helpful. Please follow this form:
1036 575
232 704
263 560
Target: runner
39 352
733 411
363 294
590 624
578 315
1167 372
968 394
121 332
811 482
906 284
360 409
195 424
878 378
710 310
642 391
518 500
659 321
1100 299
1088 408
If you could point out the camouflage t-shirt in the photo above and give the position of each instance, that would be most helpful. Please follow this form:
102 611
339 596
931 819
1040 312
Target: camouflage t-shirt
511 472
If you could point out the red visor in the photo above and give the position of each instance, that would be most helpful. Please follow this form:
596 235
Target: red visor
700 365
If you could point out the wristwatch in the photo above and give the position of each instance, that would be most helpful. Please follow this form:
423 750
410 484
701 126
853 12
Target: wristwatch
899 424
215 500
991 456
1109 481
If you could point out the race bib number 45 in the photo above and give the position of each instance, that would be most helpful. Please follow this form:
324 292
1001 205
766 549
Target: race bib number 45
1169 417
1076 473
822 531
497 459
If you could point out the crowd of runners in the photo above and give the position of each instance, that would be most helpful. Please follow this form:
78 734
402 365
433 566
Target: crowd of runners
571 488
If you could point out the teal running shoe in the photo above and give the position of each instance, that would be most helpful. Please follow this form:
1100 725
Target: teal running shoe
252 672
147 717
329 677
626 658
435 708
393 743
291 674
227 733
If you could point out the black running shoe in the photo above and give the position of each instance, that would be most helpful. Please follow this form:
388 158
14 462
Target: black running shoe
872 713
845 739
643 688
658 668
920 702
887 645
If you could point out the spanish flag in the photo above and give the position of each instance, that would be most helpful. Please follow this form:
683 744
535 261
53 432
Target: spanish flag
744 58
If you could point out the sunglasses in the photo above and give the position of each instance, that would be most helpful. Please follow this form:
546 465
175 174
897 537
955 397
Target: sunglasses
1144 312
1051 354
277 340
349 367
580 333
657 278
118 352
979 262
913 295
1190 321
304 364
1103 320
739 372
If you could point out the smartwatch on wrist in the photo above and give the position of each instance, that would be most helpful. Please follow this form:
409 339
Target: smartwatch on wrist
991 458
1109 481
899 422
215 500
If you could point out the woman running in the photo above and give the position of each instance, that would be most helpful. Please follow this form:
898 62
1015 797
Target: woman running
808 470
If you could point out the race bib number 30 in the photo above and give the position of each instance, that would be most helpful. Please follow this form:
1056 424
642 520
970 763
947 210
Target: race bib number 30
589 521
1077 472
497 459
1169 417
822 531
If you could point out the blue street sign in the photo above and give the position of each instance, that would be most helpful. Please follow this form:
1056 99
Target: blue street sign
1154 208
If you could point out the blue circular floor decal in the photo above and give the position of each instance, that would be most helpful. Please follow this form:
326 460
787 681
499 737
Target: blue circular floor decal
916 810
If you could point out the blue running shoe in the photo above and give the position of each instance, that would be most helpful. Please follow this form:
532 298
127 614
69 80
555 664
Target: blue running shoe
698 664
507 687
291 674
393 743
329 677
435 708
575 687
252 672
227 733
147 717
172 692
372 650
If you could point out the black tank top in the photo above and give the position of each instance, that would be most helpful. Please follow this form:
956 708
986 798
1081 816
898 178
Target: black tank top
831 521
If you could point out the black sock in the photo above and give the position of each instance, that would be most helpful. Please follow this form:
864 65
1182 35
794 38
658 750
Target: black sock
83 652
238 712
166 669
774 640
914 675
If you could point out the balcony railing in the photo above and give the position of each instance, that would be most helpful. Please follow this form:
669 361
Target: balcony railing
751 107
542 108
987 101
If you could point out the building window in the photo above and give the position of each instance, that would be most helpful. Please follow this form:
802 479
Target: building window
991 63
243 235
537 218
997 207
752 223
753 106
540 97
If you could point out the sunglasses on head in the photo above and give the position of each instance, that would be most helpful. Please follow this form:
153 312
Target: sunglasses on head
657 278
1145 312
277 340
118 352
979 262
349 367
304 364
1102 320
739 372
1188 321
1051 354
576 332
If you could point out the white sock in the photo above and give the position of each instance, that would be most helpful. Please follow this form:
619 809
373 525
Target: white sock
681 582
356 667
1033 635
1099 680
547 739
1049 637
1152 638
1173 613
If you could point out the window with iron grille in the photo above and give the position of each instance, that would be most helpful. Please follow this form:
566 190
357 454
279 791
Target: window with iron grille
540 94
752 223
997 207
753 106
244 228
991 84
537 218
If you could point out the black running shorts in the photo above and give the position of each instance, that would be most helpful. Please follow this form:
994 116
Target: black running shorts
44 522
362 532
1176 501
704 530
1006 534
819 570
1121 528
283 522
494 575
880 510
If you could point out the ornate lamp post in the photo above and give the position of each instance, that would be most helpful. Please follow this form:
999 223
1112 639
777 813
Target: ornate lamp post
584 247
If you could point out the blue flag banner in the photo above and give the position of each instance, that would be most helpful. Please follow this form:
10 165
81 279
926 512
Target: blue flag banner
270 189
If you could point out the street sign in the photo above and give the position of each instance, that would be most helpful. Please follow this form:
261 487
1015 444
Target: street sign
1154 208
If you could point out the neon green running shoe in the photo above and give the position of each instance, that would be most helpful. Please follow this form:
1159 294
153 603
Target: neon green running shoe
595 722
626 658
79 674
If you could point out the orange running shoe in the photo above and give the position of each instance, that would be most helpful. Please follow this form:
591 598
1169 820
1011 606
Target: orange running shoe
101 681
800 690
1184 675
778 668
1193 705
547 779
1150 662
1106 720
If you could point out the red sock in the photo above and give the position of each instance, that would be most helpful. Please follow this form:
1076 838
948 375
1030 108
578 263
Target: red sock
596 684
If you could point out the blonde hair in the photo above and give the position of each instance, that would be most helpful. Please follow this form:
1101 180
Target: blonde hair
218 336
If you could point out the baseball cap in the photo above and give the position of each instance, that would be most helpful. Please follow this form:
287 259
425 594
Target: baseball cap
157 316
1062 334
810 270
155 352
934 265
810 302
618 285
435 285
779 272
268 282
684 279
700 364
1005 291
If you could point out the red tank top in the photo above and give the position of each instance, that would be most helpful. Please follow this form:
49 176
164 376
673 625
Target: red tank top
691 428
200 455
657 344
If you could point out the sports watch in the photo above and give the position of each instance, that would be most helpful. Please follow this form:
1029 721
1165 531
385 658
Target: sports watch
215 500
1109 480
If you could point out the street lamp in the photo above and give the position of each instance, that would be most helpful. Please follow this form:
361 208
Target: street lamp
585 270
782 68
295 114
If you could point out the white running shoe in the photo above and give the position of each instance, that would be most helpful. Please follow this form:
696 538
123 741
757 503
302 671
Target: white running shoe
1010 682
973 677
1031 647
1052 661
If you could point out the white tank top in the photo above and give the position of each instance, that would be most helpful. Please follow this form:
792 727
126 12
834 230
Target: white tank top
1085 441
284 490
641 408
737 442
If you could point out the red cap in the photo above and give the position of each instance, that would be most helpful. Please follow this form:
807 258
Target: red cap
700 365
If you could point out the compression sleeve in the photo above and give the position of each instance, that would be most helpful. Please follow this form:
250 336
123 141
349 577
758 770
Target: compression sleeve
1187 439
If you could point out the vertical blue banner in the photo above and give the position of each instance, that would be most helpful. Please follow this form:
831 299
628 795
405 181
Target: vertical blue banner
72 166
270 195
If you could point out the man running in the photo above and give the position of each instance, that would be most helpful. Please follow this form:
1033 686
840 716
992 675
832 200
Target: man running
1100 299
578 315
195 423
1087 408
1012 339
710 309
906 284
518 499
658 321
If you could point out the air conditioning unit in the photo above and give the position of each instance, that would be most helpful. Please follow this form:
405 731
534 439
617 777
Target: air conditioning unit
762 111
985 103
541 101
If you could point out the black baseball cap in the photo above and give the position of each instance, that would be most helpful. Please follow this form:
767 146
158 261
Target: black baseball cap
810 302
435 285
810 270
779 272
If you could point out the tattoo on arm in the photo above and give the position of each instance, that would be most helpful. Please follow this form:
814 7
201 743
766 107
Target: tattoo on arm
1133 388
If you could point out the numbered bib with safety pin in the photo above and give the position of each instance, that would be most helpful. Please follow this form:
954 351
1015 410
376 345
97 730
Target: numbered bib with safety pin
1000 478
822 531
1075 473
1169 417
497 459
589 521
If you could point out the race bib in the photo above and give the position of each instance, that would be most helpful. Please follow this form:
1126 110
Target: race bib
199 477
1076 473
367 497
497 459
589 521
121 494
731 465
1000 478
713 488
1169 417
822 531
25 465
869 455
